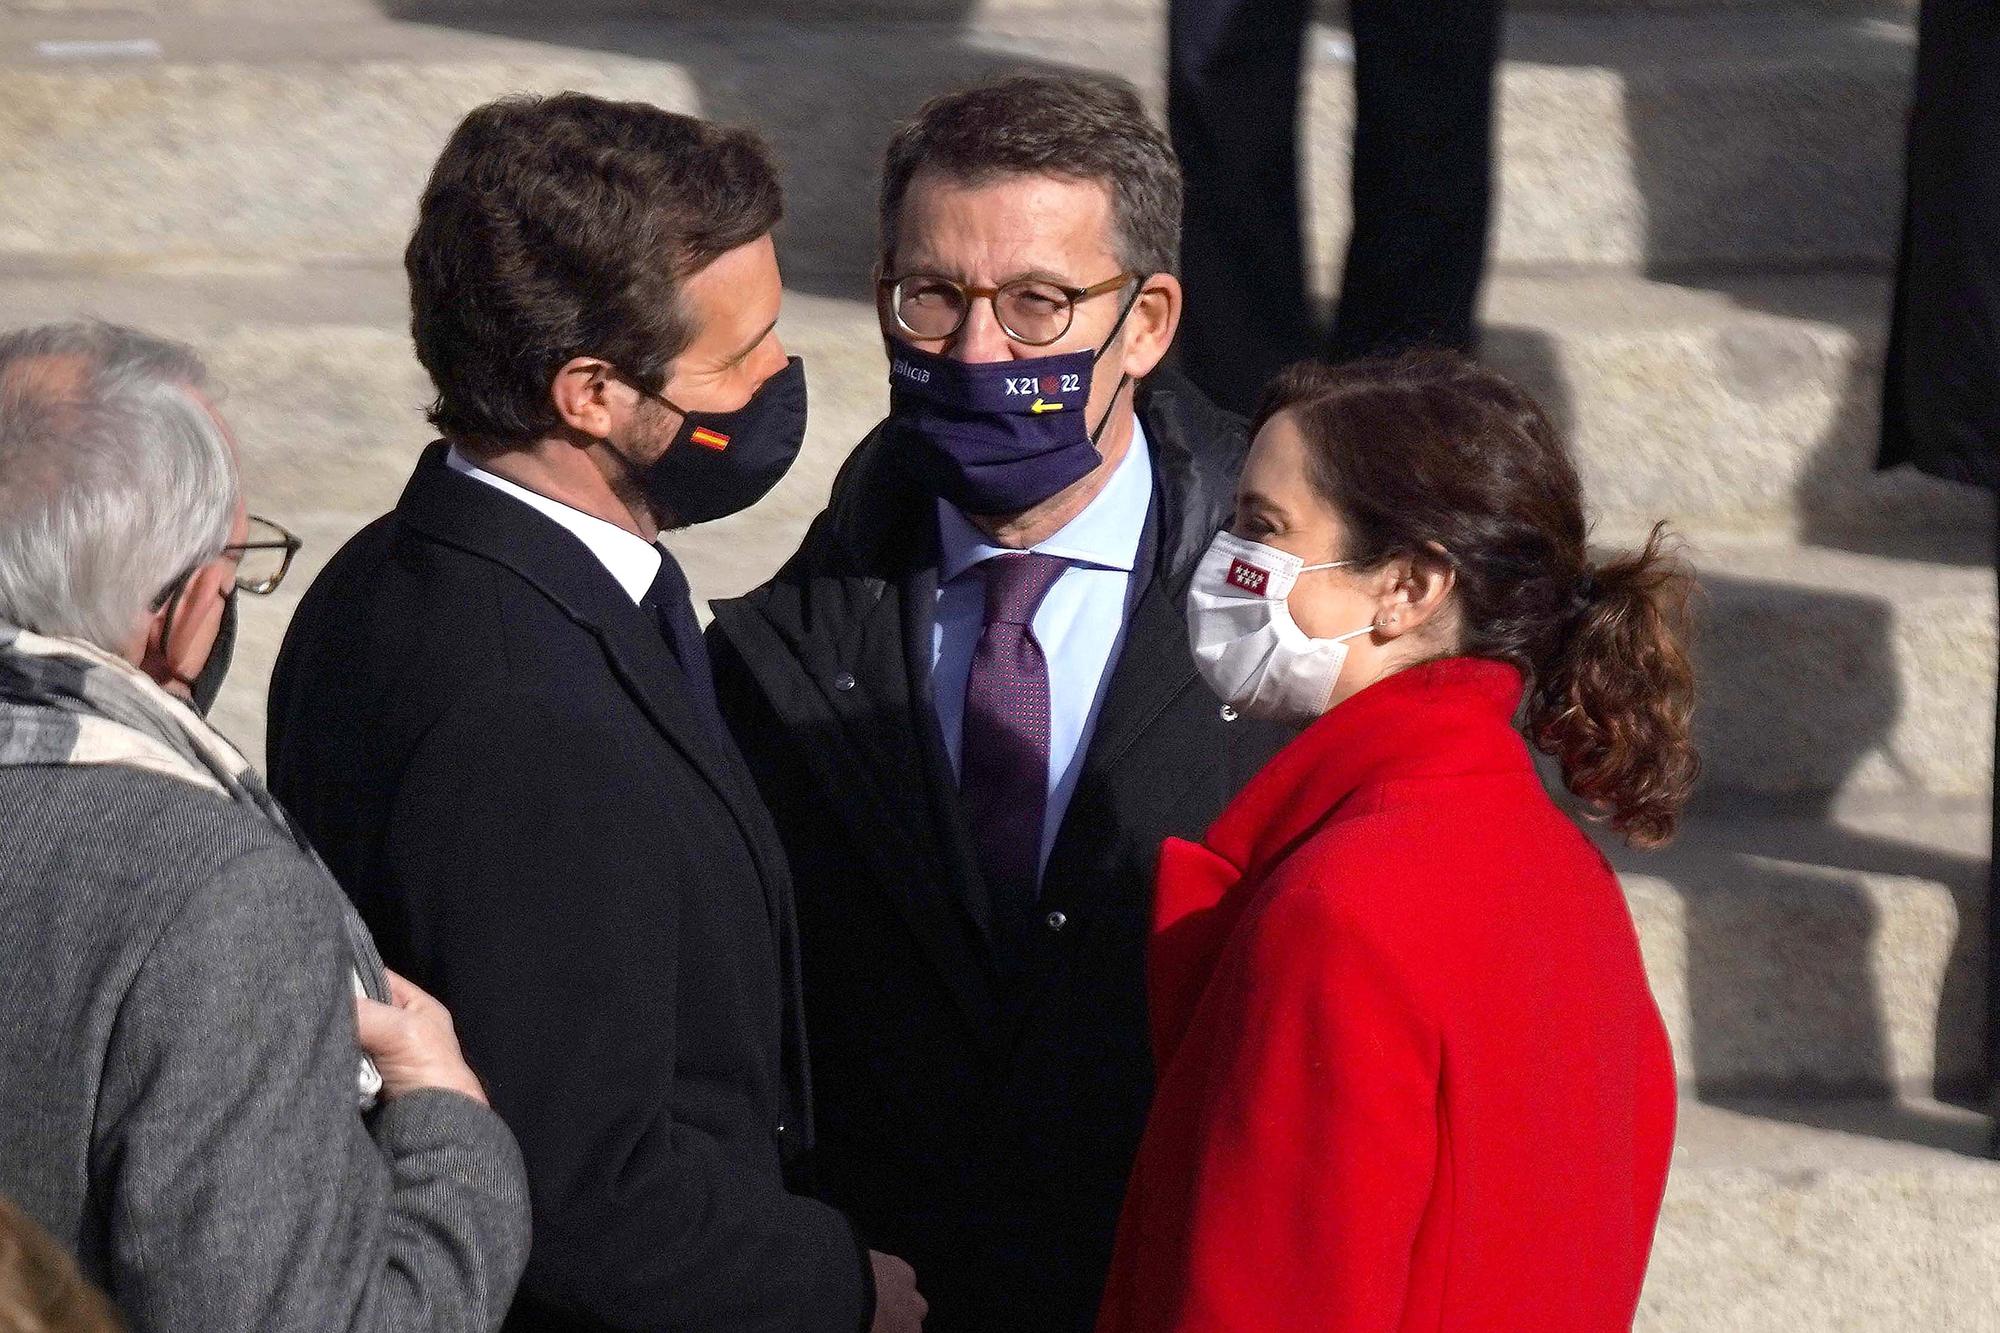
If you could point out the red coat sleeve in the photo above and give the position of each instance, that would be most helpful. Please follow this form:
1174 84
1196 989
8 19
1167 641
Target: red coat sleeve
1294 1145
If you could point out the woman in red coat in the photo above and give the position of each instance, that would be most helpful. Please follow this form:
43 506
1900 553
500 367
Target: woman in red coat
1411 1073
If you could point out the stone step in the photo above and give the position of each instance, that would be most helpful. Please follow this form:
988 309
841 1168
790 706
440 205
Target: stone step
1075 13
1741 407
1855 672
1825 669
1861 1217
1741 404
1645 140
1838 954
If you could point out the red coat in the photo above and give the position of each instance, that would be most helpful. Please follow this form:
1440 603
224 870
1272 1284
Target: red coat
1411 1073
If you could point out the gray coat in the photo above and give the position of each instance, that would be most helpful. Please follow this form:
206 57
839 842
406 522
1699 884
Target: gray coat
177 1080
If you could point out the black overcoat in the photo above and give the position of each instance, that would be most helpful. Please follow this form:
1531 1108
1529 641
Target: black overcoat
493 748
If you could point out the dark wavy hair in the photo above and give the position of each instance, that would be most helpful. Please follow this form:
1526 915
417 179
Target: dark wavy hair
1089 127
565 226
1431 456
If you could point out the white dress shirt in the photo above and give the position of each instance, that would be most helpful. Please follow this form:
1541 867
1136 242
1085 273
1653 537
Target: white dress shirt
630 558
1080 623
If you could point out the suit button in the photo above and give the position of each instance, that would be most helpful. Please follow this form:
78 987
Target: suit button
844 681
1056 920
781 1130
1229 714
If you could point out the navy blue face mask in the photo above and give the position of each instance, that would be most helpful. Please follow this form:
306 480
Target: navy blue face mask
720 463
1000 437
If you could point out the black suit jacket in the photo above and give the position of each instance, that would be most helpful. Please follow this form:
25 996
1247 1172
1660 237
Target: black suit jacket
979 1123
495 751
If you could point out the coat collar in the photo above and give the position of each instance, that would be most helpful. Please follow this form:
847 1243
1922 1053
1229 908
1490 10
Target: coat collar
1449 717
632 560
449 507
1444 717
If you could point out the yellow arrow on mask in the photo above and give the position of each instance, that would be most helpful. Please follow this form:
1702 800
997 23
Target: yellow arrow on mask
1038 407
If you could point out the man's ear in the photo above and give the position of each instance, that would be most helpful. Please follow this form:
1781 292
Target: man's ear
1150 327
581 394
167 662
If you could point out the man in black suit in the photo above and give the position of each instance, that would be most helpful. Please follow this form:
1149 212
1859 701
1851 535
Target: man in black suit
970 701
494 717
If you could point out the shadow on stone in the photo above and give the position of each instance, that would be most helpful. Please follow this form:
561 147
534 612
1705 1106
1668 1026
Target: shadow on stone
1796 950
825 92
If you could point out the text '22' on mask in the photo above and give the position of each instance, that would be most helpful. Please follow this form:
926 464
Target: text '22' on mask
997 437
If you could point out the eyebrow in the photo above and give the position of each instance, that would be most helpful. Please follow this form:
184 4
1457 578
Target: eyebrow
1035 274
754 344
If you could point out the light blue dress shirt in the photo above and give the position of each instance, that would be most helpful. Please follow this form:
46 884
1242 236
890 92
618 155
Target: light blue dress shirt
1080 624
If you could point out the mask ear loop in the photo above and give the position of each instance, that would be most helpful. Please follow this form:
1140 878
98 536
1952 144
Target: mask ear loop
171 599
1105 346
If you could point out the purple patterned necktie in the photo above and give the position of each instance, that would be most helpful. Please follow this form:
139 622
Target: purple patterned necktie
1004 754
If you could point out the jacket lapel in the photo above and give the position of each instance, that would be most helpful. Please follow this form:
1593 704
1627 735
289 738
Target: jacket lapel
465 513
865 668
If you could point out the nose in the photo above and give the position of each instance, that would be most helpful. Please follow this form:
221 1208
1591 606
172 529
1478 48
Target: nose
776 358
981 340
769 358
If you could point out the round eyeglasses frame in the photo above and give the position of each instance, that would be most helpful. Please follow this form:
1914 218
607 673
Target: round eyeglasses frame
892 289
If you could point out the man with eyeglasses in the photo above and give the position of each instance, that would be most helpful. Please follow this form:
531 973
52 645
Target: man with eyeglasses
189 997
970 702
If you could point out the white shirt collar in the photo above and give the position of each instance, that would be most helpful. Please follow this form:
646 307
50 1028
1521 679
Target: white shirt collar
630 558
1106 534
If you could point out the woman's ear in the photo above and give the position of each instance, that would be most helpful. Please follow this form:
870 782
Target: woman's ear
1150 327
1414 591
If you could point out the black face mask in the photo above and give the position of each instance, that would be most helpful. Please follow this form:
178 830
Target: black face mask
207 682
721 463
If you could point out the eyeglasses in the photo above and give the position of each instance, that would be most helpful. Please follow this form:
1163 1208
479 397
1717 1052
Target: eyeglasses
263 561
1034 311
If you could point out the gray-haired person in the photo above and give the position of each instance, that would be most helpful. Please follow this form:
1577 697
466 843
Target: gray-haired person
213 1092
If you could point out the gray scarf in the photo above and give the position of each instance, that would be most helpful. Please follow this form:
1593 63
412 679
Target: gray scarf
64 703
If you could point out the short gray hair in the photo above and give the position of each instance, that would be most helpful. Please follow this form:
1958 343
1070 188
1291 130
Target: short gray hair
1090 127
115 479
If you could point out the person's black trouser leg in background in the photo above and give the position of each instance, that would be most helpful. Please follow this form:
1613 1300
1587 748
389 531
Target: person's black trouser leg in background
1233 71
1423 169
1423 163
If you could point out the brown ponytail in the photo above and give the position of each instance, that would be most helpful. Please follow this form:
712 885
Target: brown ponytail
1433 457
1614 701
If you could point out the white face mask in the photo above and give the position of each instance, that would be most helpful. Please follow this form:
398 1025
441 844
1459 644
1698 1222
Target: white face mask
1249 649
